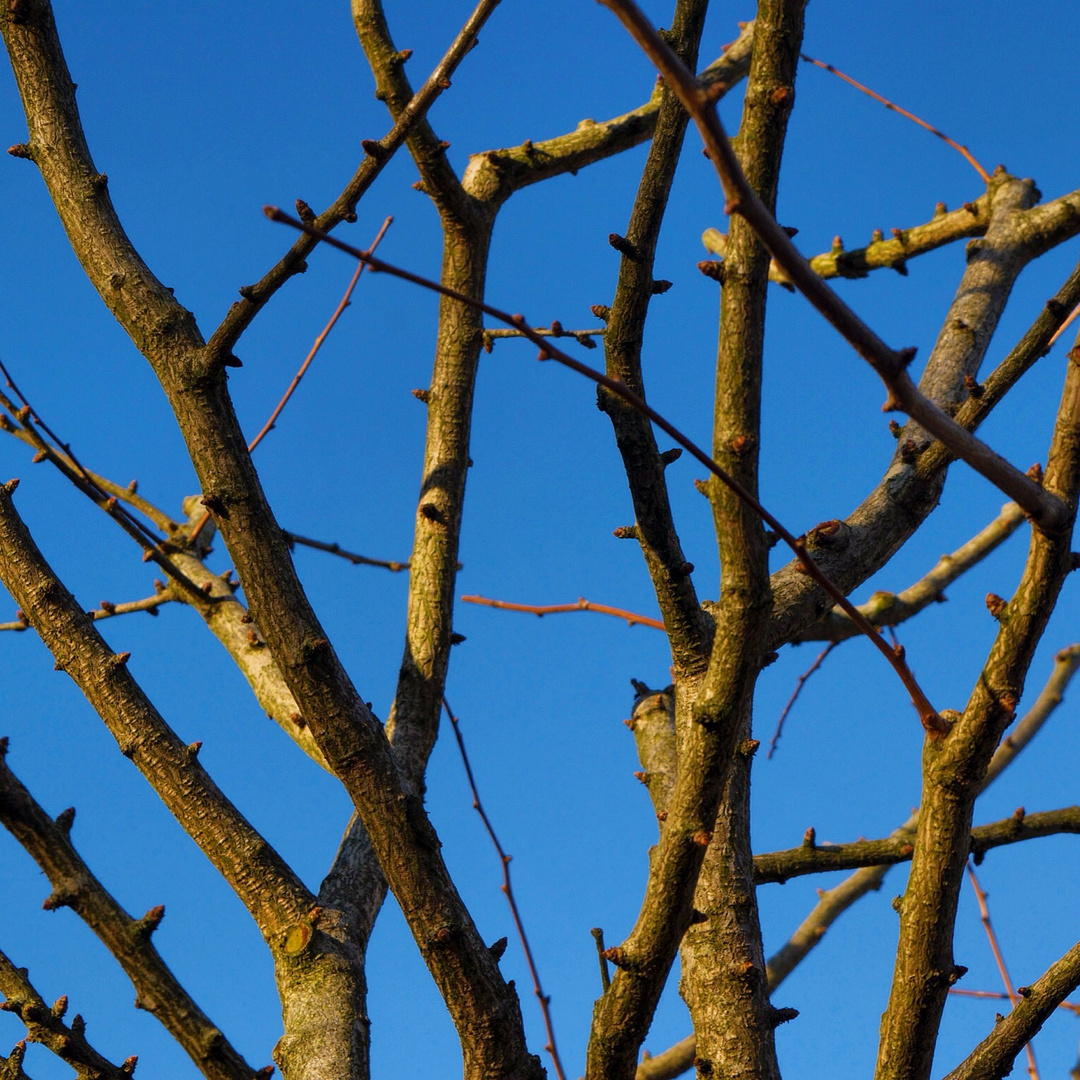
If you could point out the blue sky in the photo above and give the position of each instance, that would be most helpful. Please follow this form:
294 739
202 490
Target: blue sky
200 115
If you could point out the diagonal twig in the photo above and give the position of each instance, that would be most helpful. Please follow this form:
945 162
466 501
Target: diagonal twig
508 892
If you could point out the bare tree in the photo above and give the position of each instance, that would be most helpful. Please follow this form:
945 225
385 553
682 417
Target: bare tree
695 739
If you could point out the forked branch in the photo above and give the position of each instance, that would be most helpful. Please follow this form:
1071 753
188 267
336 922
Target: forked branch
1046 509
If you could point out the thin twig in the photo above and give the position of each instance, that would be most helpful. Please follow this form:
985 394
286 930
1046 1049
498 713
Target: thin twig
1068 1006
507 889
999 959
928 715
970 158
632 619
351 556
269 425
582 337
107 610
1064 326
795 696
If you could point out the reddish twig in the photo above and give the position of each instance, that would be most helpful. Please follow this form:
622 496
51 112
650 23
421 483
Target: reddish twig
999 959
795 696
998 995
1064 326
928 715
582 604
903 112
351 556
269 425
507 889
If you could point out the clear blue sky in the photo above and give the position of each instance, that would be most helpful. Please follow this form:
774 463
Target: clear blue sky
202 113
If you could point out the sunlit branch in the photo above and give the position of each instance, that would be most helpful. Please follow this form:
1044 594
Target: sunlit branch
1045 508
892 253
632 619
508 892
963 150
927 713
891 609
107 610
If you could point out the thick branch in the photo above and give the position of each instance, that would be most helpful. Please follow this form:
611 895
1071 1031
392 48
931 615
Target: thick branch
74 885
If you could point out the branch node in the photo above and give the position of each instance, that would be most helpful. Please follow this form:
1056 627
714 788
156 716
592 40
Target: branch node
624 247
601 311
996 605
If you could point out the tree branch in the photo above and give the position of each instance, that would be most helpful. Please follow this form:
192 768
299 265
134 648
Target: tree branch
891 609
45 1025
343 208
992 1059
493 176
74 885
945 227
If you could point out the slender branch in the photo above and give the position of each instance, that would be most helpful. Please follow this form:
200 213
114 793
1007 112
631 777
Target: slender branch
992 1059
795 696
350 556
893 253
496 174
582 337
45 1025
963 150
74 885
999 959
125 493
632 619
149 604
267 886
891 609
60 454
508 892
1045 508
997 995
